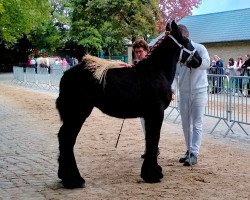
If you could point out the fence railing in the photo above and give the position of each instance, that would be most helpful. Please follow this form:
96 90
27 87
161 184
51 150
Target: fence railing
38 78
228 97
228 101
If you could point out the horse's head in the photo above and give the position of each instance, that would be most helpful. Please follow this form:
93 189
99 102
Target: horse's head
172 48
188 54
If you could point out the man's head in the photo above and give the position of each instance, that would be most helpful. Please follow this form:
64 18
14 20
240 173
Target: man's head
216 57
184 30
140 48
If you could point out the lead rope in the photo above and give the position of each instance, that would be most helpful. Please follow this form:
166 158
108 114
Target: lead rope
119 133
154 46
167 34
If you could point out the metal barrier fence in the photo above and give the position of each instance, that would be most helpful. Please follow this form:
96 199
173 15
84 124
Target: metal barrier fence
228 97
174 104
42 78
228 101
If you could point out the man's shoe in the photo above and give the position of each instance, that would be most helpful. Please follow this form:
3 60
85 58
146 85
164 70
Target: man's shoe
182 159
190 161
143 155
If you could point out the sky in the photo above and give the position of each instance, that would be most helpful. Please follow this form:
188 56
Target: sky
212 6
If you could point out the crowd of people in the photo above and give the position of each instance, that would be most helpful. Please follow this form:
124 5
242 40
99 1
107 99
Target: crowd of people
50 62
234 69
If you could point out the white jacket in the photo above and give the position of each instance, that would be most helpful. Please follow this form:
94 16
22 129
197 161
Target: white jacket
191 77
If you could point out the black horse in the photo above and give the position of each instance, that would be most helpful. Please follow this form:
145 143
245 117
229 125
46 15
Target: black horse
140 91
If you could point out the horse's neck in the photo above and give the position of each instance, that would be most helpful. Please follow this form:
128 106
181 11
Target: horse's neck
153 63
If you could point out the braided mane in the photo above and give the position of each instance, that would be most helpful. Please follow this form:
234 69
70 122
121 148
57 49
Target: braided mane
100 66
156 44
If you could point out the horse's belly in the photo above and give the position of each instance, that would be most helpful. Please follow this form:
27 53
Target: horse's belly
120 111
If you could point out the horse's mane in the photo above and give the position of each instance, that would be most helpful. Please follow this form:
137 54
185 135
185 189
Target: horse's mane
152 49
100 66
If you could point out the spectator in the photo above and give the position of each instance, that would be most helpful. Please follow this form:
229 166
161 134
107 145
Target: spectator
141 49
28 61
246 72
231 67
218 66
64 63
238 66
57 62
69 60
238 72
75 60
33 63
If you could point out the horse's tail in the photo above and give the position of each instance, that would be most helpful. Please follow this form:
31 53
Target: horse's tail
58 107
59 102
64 100
73 91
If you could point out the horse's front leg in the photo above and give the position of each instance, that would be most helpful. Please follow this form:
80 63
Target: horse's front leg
151 172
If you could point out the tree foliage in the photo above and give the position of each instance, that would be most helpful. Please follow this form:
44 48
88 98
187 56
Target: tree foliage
114 20
46 36
105 23
19 17
175 10
53 33
93 24
61 13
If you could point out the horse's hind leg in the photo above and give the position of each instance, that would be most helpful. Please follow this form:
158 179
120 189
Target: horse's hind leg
73 117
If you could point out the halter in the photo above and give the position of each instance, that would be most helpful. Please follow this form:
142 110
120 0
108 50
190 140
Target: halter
191 53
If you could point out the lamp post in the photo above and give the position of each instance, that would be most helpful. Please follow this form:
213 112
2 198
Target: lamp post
129 51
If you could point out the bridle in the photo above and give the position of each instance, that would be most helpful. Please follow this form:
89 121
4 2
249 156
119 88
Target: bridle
167 34
191 53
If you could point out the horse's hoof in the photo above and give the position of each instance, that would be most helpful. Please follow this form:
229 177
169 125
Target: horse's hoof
151 174
159 168
156 178
151 180
73 183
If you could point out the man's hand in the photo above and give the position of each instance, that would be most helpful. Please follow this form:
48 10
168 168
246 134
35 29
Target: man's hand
193 63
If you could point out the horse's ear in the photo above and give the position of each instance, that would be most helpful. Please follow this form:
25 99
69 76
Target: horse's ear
168 27
174 26
175 30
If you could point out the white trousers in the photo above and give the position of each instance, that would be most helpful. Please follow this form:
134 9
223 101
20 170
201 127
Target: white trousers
192 109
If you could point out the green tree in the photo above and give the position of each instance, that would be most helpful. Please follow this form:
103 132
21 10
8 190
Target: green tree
53 33
114 20
47 36
19 17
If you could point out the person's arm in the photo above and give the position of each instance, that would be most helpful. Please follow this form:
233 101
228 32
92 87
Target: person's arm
245 65
230 66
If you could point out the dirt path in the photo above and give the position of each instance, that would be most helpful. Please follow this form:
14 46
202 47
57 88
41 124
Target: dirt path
223 170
